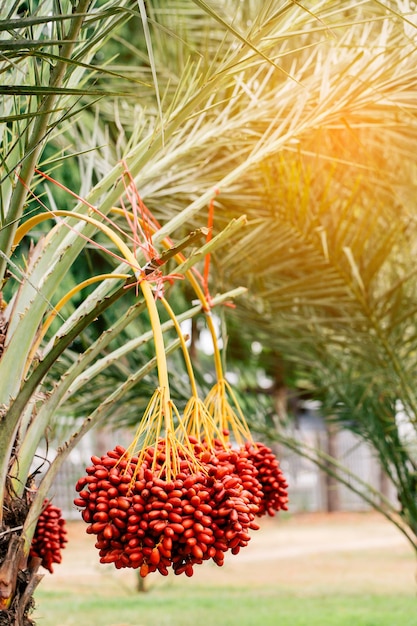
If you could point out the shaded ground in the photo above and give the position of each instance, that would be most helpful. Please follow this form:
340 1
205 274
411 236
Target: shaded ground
309 553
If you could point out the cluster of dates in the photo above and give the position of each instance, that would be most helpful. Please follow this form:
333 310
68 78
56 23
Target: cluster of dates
144 521
50 536
274 485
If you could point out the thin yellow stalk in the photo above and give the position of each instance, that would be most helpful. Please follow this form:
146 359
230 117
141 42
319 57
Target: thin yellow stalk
199 423
159 352
184 348
62 302
149 428
130 258
209 319
197 420
37 219
217 403
179 257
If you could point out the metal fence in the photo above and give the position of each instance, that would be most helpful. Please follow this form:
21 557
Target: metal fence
309 485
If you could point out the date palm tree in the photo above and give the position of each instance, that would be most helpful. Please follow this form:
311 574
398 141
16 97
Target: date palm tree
180 102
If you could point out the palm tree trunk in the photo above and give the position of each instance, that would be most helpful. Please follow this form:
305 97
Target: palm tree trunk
331 483
17 582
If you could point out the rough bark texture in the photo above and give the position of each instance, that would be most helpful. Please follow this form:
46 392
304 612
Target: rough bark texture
18 578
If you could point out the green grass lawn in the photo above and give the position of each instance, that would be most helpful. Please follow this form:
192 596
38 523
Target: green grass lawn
223 607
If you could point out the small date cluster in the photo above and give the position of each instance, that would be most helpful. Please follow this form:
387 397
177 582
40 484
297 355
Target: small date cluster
50 536
274 485
144 521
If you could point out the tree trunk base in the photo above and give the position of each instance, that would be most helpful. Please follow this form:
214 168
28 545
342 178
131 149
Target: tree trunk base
18 575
